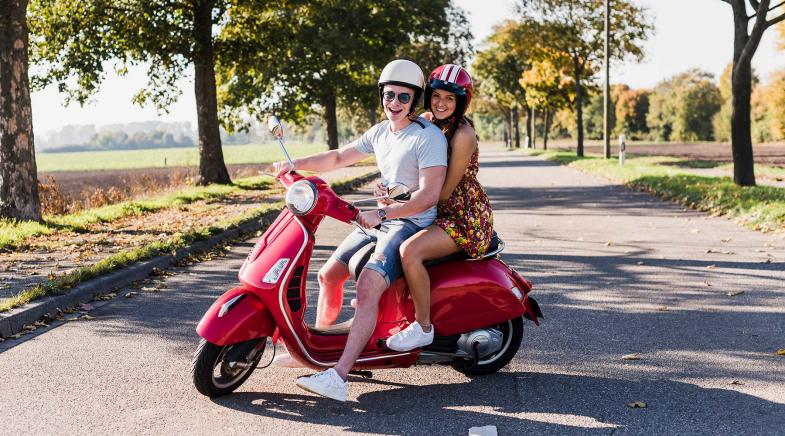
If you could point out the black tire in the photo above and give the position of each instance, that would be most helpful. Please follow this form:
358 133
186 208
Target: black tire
512 332
210 357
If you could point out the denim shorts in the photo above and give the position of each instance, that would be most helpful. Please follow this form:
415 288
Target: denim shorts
386 259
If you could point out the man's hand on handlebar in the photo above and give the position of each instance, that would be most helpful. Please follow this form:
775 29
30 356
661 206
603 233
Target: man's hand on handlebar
280 168
368 219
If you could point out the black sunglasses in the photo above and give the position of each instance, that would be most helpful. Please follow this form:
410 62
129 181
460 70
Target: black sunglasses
402 97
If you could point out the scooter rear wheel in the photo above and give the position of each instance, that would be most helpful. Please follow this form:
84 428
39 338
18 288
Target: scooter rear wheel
218 370
512 334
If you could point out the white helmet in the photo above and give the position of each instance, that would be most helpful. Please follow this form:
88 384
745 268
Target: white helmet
403 73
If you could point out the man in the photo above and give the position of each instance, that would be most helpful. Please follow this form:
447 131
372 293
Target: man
412 152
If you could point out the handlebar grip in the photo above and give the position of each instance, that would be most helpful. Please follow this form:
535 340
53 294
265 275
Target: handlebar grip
382 228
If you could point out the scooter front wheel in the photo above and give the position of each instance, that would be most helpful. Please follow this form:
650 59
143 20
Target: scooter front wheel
218 370
512 334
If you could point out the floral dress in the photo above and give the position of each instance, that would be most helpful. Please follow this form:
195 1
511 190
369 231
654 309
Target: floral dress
466 216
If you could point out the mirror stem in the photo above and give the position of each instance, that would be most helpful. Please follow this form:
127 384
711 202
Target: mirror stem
286 153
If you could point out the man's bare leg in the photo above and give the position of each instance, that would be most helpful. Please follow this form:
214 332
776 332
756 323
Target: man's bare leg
332 276
370 286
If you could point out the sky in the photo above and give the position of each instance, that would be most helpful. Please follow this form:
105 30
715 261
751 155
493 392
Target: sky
688 33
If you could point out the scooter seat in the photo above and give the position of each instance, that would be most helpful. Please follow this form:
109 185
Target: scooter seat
361 257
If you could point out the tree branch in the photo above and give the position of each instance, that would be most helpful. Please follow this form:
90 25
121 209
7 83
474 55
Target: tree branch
774 21
755 35
755 4
776 6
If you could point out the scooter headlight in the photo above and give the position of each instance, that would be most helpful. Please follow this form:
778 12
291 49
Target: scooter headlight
301 197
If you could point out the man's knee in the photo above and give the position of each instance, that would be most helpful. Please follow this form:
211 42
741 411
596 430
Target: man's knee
370 286
333 272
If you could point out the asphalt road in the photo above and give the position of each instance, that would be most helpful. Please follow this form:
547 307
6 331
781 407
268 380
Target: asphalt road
616 272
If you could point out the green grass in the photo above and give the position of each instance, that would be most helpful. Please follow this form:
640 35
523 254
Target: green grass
13 232
119 260
757 207
174 157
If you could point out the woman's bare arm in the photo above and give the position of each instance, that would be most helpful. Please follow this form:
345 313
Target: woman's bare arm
464 142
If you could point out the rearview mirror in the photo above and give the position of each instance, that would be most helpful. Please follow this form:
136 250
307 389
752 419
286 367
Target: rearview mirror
398 192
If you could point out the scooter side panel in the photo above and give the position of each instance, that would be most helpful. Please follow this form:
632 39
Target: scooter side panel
282 241
476 297
247 318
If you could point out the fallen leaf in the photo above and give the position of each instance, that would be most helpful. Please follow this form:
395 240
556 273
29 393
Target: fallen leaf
712 266
28 327
640 262
705 282
767 261
734 293
131 294
633 356
86 317
40 324
780 352
725 240
149 289
663 309
736 382
609 243
637 405
106 297
16 336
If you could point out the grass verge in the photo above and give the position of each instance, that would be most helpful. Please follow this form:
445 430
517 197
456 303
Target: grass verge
13 232
61 284
757 207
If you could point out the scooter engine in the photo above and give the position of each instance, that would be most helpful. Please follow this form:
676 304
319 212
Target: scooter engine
480 343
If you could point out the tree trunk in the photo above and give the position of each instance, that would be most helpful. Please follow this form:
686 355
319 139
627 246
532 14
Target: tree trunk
514 129
212 168
331 120
579 108
531 127
741 91
547 128
18 180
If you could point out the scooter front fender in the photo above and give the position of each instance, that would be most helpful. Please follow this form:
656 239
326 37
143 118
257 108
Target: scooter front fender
237 316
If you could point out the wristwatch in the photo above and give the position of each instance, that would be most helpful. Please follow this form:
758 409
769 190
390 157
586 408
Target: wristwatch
382 214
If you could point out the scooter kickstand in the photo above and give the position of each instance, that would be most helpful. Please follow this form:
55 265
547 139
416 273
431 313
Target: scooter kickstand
362 373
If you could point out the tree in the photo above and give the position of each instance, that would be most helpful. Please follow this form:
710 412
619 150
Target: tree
18 180
75 38
632 106
499 67
576 29
548 87
682 107
453 47
317 55
745 44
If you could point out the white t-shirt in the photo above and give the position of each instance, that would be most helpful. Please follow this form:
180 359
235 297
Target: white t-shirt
401 155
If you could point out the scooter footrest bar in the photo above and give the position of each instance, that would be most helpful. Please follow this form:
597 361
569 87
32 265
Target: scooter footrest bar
362 373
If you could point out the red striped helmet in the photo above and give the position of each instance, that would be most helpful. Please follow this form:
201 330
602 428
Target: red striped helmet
452 78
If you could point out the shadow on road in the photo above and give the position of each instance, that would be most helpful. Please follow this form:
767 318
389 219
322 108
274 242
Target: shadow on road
516 402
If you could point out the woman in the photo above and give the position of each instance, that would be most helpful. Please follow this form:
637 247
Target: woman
464 220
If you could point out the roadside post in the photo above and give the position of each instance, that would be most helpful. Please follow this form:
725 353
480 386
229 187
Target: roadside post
622 149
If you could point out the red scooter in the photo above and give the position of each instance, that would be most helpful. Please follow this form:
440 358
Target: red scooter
477 306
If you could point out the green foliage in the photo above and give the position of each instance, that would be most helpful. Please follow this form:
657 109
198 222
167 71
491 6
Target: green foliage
315 54
73 40
455 46
498 68
682 107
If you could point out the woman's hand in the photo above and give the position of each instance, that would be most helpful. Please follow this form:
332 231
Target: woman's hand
281 167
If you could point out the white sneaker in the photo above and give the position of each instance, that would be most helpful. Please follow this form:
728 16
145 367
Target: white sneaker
287 361
326 383
410 338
